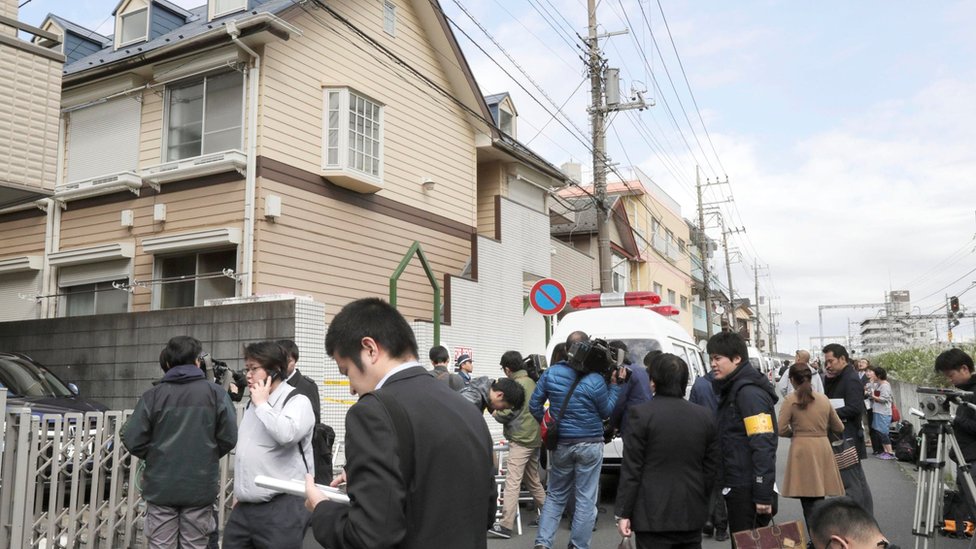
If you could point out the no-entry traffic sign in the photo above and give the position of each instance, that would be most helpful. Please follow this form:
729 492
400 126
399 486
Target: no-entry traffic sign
547 296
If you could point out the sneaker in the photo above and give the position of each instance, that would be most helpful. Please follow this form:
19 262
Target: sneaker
708 529
721 535
886 456
500 531
539 546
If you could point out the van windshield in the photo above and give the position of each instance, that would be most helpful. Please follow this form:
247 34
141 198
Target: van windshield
28 379
637 348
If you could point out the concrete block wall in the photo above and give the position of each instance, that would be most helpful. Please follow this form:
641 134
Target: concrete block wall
115 358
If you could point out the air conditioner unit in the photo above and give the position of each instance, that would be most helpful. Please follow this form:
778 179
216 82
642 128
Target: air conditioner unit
197 166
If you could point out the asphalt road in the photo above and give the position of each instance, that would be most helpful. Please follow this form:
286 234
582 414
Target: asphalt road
892 486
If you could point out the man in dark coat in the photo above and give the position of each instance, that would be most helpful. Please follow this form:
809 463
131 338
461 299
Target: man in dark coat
846 393
746 431
419 464
703 394
670 458
181 428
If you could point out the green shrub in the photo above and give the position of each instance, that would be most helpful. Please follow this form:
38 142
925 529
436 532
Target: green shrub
917 365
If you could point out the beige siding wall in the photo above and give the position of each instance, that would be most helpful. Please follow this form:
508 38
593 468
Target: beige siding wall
30 86
23 237
151 130
425 134
8 8
491 182
212 206
336 252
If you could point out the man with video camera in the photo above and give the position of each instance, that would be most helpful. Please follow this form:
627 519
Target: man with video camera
581 395
957 367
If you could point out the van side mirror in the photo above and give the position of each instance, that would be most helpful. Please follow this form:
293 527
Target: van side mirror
74 389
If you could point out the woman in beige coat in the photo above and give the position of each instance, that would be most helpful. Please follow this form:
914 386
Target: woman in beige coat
811 472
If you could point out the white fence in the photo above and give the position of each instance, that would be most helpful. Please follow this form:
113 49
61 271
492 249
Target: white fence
67 481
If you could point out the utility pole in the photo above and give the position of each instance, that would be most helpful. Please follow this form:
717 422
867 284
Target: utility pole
599 151
604 85
703 245
756 269
728 268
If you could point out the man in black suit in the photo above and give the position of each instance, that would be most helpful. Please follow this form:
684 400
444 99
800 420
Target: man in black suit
670 460
302 383
407 430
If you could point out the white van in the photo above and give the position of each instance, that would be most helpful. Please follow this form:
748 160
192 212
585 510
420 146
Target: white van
643 330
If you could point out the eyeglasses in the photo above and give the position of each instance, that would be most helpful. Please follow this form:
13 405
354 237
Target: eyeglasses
249 371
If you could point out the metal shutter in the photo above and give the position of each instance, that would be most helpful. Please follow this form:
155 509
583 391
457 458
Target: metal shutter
12 307
91 273
103 139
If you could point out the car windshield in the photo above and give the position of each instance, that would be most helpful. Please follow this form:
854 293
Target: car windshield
25 378
637 348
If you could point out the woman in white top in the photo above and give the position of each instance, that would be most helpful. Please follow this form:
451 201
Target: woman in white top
881 399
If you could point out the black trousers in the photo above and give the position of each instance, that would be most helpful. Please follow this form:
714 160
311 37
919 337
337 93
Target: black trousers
807 504
717 512
742 510
276 524
669 540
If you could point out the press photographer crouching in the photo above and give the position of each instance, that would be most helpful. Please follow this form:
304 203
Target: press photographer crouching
957 367
581 392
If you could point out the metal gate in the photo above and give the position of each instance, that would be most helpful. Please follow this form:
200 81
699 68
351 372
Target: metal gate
67 481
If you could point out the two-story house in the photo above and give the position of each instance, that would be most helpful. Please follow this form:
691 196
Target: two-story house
247 147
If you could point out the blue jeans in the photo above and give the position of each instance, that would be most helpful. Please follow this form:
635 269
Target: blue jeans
573 468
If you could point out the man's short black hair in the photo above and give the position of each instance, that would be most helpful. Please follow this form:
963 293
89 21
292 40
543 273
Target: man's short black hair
512 392
880 372
439 355
650 357
289 347
670 375
369 317
512 360
180 350
841 517
270 356
953 359
578 335
729 345
836 349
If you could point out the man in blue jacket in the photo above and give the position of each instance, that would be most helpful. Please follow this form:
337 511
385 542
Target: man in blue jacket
574 466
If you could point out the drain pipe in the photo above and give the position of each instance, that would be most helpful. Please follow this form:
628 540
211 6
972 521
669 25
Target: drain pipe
250 179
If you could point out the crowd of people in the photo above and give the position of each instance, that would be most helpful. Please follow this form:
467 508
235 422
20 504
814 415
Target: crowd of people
419 468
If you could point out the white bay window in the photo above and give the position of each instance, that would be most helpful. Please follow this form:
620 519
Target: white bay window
352 148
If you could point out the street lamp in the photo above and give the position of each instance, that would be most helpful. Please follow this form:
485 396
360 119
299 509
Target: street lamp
796 323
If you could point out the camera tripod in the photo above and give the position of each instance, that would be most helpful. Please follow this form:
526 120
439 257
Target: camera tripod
937 441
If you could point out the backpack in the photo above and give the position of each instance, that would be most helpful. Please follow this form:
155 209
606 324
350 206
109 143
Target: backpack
956 515
902 435
323 437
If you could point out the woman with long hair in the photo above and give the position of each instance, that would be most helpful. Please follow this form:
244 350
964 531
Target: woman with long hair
806 415
881 399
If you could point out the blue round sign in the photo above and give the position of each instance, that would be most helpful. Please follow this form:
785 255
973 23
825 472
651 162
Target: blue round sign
547 296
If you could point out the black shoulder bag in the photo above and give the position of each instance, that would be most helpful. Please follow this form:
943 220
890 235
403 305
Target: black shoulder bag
552 428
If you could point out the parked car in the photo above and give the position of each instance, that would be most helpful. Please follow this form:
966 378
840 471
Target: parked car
30 384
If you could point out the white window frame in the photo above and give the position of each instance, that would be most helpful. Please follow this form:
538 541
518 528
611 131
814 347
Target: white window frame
389 18
164 152
121 25
341 168
242 5
95 293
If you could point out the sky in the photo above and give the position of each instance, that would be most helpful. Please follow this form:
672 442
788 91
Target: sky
845 129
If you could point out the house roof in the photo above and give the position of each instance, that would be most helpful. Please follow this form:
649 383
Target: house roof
585 222
166 4
196 25
620 188
495 98
77 29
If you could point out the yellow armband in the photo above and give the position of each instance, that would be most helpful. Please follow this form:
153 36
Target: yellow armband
759 424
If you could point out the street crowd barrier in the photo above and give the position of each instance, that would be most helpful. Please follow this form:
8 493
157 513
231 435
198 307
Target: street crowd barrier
67 481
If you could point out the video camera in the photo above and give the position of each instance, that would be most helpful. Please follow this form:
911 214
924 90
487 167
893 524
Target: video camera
220 370
934 402
534 366
596 356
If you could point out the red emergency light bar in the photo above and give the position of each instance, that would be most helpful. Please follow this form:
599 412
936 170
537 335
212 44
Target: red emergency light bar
666 310
619 299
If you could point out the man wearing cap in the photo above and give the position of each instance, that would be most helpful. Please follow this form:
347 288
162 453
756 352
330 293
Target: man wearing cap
464 366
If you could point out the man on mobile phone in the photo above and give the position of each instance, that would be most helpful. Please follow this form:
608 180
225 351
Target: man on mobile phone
275 441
